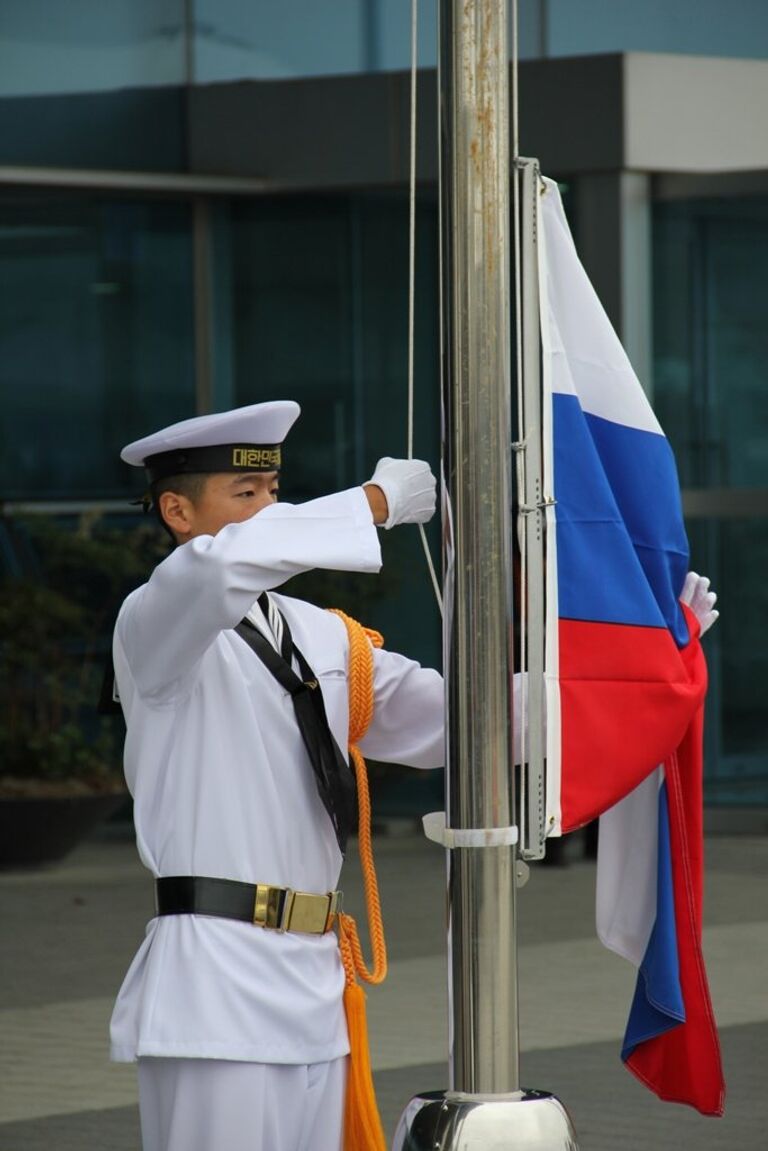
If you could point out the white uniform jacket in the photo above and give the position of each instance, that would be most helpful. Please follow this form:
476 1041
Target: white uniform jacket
223 786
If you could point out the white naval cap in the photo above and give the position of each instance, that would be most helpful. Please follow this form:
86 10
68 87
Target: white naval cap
244 439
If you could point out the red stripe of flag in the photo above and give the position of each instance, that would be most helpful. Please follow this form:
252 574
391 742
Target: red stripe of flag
628 696
683 1065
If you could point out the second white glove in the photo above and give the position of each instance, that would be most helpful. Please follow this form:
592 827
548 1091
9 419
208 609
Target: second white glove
700 599
409 488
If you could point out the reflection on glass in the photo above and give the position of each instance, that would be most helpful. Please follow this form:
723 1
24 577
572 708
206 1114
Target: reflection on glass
48 47
96 340
260 39
735 552
711 339
711 348
588 27
320 316
319 291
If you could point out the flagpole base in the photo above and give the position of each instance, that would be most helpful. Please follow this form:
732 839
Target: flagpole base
452 1121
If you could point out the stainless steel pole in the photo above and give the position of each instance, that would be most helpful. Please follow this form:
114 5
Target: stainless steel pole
478 618
484 1106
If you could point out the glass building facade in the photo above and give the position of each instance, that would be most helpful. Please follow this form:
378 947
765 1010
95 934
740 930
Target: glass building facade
711 351
87 45
125 306
307 299
96 331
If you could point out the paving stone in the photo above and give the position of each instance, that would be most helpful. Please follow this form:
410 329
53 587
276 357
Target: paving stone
70 931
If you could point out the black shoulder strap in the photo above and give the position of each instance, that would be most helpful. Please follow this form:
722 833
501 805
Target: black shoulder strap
274 662
334 779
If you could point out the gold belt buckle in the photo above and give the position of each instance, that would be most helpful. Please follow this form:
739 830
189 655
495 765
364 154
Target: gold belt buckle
283 909
312 913
269 906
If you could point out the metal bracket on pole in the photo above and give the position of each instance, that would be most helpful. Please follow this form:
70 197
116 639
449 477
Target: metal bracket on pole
533 501
452 837
436 829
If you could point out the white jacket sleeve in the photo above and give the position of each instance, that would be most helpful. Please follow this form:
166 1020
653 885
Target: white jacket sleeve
408 724
207 585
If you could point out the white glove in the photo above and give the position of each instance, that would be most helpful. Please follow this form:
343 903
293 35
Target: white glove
409 489
700 600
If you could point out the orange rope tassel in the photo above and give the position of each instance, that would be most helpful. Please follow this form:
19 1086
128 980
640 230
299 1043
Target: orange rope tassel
362 1124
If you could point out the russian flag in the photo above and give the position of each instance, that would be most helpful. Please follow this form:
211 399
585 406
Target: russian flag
625 674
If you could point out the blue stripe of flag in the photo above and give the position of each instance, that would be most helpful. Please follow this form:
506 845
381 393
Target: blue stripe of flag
622 551
658 1001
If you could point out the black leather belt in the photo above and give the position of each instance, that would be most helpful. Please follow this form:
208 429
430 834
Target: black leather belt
278 908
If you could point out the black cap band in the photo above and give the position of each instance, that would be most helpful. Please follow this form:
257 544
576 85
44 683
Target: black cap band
219 458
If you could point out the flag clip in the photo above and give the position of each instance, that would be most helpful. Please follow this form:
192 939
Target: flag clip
529 509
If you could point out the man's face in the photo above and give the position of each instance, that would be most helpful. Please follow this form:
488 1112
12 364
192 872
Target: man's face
227 498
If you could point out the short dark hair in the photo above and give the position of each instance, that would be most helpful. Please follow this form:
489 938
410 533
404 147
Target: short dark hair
192 486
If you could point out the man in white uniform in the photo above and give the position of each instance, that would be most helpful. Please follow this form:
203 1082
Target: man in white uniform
233 1004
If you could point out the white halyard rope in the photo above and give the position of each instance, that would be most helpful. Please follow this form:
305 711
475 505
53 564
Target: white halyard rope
412 280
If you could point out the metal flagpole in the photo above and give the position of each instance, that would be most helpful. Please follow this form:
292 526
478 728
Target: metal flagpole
478 627
484 1106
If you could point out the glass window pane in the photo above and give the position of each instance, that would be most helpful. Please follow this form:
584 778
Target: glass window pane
259 39
737 278
710 351
711 340
743 549
696 27
93 85
79 46
96 331
735 554
675 295
292 299
320 316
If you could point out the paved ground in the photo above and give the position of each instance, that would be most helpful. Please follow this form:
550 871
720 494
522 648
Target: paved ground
68 933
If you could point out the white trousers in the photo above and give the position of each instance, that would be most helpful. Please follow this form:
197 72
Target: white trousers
218 1105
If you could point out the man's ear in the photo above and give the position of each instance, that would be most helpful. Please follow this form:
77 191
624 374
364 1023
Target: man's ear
178 512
